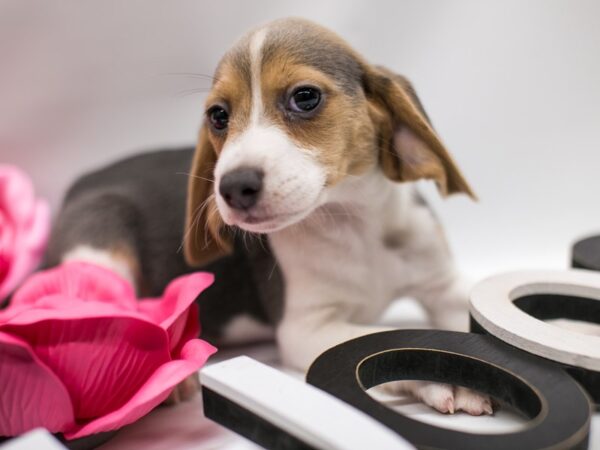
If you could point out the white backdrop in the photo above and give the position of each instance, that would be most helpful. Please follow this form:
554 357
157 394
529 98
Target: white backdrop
512 87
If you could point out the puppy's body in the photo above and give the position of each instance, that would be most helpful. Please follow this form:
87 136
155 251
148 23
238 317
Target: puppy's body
130 216
304 144
376 243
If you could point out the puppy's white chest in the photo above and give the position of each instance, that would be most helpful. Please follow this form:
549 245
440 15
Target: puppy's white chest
349 265
352 260
386 270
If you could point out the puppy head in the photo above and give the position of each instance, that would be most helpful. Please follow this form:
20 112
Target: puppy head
293 111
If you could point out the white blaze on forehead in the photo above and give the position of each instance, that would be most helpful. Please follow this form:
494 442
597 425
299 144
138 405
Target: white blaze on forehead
256 43
293 179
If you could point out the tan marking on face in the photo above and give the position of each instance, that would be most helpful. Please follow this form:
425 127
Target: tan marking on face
237 87
232 92
232 89
340 133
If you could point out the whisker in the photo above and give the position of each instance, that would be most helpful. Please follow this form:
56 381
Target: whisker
195 176
262 244
197 214
187 92
272 270
212 211
202 76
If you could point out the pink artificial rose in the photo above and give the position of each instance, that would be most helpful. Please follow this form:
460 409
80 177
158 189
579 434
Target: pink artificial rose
24 228
79 354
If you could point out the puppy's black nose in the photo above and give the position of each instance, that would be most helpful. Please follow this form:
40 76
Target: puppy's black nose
241 188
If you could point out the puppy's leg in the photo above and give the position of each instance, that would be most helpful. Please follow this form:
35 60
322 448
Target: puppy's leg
446 300
433 278
444 294
104 228
99 228
445 297
301 341
117 259
184 391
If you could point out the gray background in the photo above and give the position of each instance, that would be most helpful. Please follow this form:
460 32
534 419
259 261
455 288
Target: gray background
512 87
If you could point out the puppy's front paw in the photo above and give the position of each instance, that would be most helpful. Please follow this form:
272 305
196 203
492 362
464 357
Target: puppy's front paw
184 391
472 402
445 398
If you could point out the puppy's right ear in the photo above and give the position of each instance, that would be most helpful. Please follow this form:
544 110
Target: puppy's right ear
410 148
205 238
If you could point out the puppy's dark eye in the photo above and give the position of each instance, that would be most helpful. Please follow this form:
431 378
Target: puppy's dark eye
304 99
218 117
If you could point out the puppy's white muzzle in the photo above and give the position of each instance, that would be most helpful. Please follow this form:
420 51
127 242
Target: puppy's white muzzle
265 182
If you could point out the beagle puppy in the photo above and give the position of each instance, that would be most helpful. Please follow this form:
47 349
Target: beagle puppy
300 200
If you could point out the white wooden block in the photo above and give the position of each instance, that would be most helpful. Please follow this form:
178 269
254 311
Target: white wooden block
38 439
299 409
493 308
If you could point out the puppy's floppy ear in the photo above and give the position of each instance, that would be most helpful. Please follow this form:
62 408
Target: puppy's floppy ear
410 148
205 238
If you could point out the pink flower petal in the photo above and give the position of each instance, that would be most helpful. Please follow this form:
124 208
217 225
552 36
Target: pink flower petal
101 361
17 197
83 281
59 307
187 327
178 295
7 235
31 395
156 389
24 228
4 267
176 312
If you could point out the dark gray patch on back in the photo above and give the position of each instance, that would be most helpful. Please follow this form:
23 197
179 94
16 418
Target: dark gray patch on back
305 43
138 203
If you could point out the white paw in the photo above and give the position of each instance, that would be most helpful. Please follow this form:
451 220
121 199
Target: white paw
445 398
472 402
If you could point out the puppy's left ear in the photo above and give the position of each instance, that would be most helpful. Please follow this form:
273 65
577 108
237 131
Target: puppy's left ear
410 148
205 238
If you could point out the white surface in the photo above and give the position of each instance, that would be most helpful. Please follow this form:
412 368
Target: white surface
492 306
38 439
300 409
